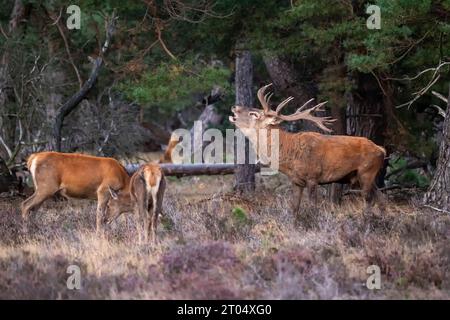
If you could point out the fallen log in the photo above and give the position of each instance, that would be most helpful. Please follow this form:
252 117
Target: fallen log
193 169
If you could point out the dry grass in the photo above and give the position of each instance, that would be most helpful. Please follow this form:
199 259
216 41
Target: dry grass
227 247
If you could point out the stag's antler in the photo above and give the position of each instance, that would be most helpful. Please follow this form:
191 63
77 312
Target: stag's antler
264 99
300 114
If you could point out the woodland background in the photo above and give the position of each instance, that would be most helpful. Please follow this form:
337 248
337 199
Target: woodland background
171 62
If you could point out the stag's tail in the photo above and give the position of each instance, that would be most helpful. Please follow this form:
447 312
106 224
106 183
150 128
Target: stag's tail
382 150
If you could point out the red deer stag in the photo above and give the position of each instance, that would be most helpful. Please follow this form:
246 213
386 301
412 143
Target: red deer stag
75 176
144 195
310 159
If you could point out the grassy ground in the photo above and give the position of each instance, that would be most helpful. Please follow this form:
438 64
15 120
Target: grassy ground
215 245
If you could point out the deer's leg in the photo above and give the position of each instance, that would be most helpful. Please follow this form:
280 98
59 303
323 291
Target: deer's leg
369 190
297 199
143 212
102 201
312 190
33 203
154 216
381 201
25 206
138 220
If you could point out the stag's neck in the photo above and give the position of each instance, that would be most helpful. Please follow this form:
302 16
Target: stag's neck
283 136
287 145
257 139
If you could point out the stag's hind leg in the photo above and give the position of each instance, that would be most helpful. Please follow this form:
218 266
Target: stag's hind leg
297 199
312 190
369 189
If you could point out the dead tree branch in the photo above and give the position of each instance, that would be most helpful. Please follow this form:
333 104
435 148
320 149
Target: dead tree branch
73 102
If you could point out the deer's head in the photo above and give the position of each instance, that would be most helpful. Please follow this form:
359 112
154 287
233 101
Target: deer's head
252 118
120 202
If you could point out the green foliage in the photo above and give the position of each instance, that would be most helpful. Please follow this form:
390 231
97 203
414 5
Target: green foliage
407 177
240 216
172 86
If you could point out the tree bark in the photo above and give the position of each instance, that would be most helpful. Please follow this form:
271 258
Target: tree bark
438 194
193 169
337 112
8 107
73 102
245 173
285 78
365 112
7 179
208 117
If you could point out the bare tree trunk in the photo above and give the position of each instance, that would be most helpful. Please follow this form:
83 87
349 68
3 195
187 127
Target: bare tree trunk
7 103
285 79
191 169
7 179
208 117
74 101
337 112
365 112
245 173
438 195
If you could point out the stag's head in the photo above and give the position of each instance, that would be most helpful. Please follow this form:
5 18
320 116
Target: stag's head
252 118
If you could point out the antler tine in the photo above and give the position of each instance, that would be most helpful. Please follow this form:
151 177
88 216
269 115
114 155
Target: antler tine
282 104
262 97
304 105
267 98
320 122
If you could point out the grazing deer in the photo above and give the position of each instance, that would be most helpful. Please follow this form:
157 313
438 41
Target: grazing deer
74 176
144 195
308 158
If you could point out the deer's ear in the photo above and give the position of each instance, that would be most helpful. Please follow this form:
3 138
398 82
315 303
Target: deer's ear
255 114
113 193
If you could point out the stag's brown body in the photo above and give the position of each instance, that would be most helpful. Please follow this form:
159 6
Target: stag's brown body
145 196
75 176
310 159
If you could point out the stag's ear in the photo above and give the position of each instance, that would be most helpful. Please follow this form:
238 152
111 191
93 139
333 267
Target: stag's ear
113 193
255 114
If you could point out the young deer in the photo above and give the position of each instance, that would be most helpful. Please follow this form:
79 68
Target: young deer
145 196
73 176
308 158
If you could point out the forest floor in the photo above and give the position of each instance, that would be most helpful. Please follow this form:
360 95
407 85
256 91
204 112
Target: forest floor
214 245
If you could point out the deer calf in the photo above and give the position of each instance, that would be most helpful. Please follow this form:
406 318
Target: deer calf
74 176
144 196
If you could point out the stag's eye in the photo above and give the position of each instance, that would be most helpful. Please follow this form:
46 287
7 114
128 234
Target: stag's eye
254 114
